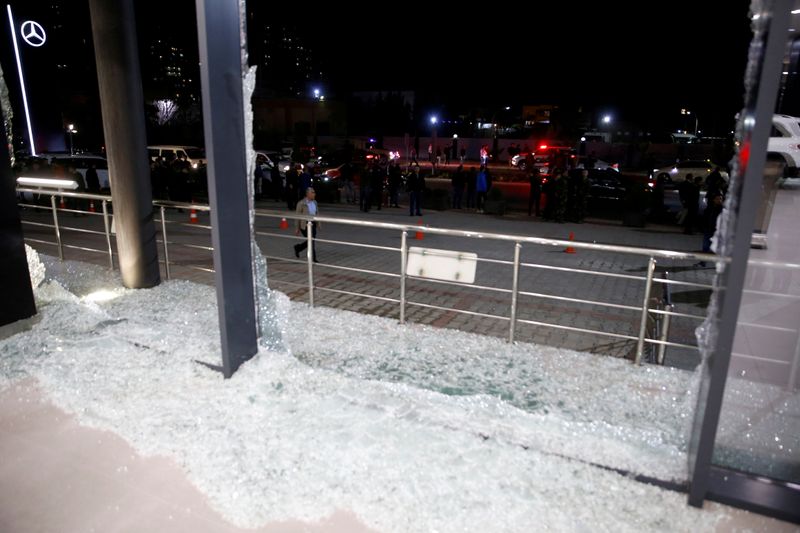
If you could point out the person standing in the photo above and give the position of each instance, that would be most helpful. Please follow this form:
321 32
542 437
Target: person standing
395 179
710 216
715 184
415 184
92 181
534 200
376 178
77 177
307 206
581 195
365 188
305 181
277 183
560 193
691 192
483 182
470 177
457 182
292 184
347 183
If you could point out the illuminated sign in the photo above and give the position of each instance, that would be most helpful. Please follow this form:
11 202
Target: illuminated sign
21 77
33 33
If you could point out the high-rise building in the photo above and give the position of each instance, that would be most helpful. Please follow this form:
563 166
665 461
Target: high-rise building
287 63
172 73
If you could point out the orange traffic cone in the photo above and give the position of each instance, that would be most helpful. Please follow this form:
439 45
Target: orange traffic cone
419 235
91 207
570 249
284 224
62 204
192 216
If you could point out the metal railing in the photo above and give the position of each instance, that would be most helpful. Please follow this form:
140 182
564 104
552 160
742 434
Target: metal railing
645 310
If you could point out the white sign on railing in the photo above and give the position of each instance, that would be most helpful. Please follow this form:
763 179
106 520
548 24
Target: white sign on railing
446 265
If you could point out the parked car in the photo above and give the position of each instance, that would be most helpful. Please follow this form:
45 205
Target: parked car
605 185
677 172
542 157
599 164
330 174
194 155
784 143
273 158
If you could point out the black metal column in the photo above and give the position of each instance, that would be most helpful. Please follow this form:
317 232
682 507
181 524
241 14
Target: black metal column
122 103
16 295
221 58
762 79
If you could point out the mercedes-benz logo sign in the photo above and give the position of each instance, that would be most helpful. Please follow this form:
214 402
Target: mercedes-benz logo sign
33 33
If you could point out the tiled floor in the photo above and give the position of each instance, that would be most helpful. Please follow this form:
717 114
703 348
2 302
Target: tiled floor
58 476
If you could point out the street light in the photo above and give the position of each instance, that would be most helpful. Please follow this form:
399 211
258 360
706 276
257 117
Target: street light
318 97
696 120
434 120
72 131
607 119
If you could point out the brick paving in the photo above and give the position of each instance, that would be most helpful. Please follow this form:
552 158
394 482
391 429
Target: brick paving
289 275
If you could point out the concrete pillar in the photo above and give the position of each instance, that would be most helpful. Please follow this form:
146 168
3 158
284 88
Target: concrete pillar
16 295
122 103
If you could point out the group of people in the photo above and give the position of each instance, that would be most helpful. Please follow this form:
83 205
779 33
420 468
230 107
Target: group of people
172 178
477 184
268 181
42 168
564 194
689 192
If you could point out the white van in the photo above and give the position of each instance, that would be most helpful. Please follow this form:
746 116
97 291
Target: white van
194 155
81 163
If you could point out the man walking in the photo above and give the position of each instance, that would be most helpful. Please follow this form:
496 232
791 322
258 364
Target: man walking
307 206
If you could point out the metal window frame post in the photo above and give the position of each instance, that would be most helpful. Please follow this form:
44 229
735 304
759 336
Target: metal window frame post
764 71
651 267
219 26
514 293
55 226
164 238
403 263
310 261
104 205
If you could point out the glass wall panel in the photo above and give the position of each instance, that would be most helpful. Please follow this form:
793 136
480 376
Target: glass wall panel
759 431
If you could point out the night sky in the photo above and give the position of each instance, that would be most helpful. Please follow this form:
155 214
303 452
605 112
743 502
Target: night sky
622 54
630 55
632 60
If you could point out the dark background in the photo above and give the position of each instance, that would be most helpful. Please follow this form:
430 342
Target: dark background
641 62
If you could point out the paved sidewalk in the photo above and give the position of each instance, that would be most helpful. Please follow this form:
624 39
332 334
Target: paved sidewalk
290 275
